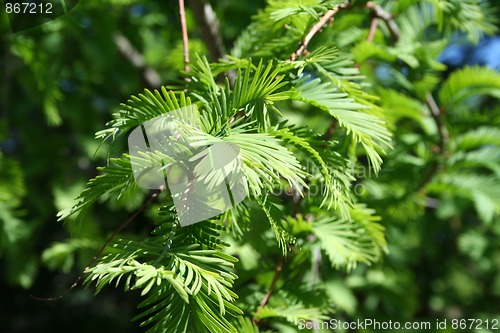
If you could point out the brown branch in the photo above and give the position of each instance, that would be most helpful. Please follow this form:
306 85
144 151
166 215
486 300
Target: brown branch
328 16
330 130
436 114
108 240
277 273
209 28
185 39
317 28
129 52
373 29
387 18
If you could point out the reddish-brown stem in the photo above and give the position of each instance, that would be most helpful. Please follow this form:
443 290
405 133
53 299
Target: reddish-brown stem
330 130
373 29
386 17
185 39
277 273
436 114
317 28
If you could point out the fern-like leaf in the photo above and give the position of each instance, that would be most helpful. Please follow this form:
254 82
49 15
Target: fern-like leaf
349 241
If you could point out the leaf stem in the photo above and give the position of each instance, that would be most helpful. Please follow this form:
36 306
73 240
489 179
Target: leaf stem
373 29
185 39
436 114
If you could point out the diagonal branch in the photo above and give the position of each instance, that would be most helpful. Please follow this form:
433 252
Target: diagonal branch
373 29
436 115
436 112
209 28
277 273
317 28
387 18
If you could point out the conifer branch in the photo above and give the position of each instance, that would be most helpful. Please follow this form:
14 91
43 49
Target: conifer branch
436 114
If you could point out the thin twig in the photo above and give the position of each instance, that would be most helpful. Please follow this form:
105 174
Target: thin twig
387 18
430 101
373 29
108 240
330 130
317 28
436 114
209 28
185 39
277 273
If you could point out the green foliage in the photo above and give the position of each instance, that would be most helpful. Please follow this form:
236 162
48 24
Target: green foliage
467 82
116 179
471 16
365 200
13 229
238 113
347 242
365 128
187 286
183 273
